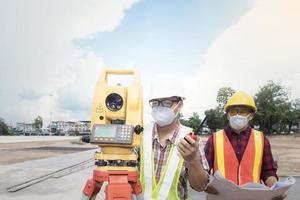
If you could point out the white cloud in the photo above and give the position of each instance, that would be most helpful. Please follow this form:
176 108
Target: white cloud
263 45
38 57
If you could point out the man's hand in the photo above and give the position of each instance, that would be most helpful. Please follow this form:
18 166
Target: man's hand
189 149
270 182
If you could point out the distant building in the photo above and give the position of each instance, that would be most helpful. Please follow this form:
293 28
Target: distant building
62 126
70 127
83 126
25 127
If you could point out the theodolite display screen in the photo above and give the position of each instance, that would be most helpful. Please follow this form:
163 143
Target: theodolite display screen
112 134
105 131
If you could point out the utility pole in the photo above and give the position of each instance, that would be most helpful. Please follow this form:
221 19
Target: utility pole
50 117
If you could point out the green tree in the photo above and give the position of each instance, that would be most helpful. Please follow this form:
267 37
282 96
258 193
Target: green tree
296 112
291 116
194 121
38 123
215 120
183 121
272 102
223 95
4 130
216 117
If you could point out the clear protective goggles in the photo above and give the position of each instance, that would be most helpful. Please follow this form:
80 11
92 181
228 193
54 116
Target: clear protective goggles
164 102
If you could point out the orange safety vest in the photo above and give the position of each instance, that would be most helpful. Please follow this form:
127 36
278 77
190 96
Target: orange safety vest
225 160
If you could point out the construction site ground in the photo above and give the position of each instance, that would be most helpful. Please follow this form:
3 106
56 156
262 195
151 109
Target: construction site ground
27 157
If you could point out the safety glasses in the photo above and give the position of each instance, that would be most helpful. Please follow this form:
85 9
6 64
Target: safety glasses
239 111
164 102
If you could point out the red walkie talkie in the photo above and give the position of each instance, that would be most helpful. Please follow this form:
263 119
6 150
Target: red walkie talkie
196 132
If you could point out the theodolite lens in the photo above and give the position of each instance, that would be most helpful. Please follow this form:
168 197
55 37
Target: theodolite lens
114 102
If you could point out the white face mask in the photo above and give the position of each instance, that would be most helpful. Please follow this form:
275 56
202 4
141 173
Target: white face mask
163 116
238 122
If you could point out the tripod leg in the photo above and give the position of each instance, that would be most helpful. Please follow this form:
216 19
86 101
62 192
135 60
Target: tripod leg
91 190
137 190
84 197
118 188
139 197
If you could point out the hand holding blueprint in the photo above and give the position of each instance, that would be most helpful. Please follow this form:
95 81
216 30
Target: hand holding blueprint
230 191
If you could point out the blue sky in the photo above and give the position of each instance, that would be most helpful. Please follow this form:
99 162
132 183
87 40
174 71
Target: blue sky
60 46
165 35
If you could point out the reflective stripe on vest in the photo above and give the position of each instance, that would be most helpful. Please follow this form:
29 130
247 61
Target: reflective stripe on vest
166 188
226 162
146 164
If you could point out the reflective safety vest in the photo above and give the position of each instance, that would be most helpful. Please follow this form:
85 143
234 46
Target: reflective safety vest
166 188
226 162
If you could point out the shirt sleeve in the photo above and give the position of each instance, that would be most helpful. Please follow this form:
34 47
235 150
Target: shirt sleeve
209 153
268 165
203 157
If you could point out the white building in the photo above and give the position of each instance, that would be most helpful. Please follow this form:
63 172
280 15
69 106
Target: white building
83 126
68 127
63 126
25 127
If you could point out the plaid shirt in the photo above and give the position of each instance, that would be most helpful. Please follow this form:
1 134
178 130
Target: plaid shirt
161 154
239 143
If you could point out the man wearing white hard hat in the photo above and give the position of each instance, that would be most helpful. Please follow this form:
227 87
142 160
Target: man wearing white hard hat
169 161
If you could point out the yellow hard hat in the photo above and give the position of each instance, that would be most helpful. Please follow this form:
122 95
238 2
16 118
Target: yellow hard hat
240 98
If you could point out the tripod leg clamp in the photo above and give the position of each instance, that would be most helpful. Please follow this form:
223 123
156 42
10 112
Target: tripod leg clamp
91 188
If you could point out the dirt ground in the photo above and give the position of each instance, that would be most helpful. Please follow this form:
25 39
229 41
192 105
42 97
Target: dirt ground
18 152
286 149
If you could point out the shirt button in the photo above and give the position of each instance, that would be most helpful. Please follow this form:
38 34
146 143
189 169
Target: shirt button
238 153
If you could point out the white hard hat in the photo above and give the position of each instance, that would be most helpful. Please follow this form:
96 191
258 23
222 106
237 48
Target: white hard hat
166 88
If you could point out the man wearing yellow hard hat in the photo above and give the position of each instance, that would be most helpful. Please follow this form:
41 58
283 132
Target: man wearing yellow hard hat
241 154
